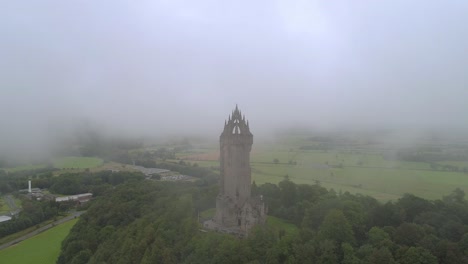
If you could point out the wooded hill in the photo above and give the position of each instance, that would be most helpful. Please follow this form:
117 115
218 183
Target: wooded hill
156 222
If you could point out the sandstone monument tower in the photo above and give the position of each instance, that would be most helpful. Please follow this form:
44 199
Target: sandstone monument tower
236 211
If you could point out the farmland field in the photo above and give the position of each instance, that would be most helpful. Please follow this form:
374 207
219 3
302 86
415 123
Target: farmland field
382 183
76 162
63 163
43 248
355 168
27 167
359 173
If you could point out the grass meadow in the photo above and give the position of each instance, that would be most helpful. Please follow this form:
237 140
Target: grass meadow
63 163
27 167
355 169
43 248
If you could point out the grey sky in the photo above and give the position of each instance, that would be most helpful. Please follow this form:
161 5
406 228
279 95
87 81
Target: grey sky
140 66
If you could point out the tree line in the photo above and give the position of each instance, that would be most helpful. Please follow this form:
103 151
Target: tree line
34 212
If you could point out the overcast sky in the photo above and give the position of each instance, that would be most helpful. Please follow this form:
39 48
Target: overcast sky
172 66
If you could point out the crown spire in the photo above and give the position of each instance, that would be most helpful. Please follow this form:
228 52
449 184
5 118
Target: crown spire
236 123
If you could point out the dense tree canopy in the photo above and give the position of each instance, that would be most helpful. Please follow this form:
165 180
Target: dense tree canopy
156 222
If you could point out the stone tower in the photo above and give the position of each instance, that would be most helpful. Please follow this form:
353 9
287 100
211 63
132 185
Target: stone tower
236 211
235 145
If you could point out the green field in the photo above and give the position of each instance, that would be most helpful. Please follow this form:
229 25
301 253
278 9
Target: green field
360 172
384 184
26 231
356 168
77 162
280 224
63 163
43 248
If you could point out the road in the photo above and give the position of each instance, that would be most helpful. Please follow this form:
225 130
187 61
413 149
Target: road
41 229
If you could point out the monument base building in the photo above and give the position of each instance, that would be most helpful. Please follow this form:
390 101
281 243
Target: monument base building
236 211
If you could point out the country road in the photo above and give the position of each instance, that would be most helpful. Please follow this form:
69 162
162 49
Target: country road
42 229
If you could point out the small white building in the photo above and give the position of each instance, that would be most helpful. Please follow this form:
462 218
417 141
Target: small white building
4 218
82 198
150 171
